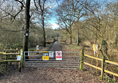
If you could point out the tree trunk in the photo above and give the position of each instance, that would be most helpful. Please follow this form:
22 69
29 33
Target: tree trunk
116 36
66 36
44 42
71 38
78 41
27 19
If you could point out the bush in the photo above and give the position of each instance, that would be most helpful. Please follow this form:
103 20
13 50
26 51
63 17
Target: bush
32 49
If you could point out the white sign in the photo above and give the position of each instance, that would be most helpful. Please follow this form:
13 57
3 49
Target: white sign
45 54
18 57
37 47
96 48
58 55
51 54
26 34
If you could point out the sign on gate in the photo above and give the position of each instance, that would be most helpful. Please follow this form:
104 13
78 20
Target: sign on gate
51 54
45 55
69 61
58 55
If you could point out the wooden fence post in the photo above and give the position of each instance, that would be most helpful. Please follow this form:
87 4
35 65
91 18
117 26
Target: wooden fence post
102 67
21 61
6 66
17 51
10 55
22 57
82 60
6 63
20 66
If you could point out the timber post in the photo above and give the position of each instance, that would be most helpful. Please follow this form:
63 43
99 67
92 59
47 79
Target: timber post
10 55
82 60
6 63
17 51
22 58
102 67
6 66
21 61
20 66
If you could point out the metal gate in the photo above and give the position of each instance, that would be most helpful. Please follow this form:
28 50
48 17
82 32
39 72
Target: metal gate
70 60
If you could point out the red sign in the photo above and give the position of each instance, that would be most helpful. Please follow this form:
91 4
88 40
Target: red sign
51 54
58 55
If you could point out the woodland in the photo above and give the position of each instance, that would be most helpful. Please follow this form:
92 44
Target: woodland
93 21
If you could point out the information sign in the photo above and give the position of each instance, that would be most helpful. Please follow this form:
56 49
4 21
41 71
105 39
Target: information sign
58 55
95 48
51 54
19 57
37 47
45 56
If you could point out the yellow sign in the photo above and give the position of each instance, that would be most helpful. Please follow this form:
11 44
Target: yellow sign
45 56
94 47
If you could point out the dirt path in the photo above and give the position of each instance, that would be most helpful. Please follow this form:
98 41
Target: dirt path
48 75
55 47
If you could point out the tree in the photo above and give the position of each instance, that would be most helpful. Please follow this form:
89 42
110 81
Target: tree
42 11
113 15
27 20
66 16
69 12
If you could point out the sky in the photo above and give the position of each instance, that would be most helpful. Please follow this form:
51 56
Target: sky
54 5
53 23
54 20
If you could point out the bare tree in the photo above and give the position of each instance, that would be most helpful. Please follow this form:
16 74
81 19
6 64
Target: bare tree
66 15
71 11
27 19
42 11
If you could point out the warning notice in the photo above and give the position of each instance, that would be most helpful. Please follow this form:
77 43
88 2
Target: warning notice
58 55
51 54
45 56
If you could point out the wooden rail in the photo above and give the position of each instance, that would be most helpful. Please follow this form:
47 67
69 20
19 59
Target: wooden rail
11 59
103 61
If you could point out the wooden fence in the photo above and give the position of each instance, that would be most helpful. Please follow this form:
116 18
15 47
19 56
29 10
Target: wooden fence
7 57
103 61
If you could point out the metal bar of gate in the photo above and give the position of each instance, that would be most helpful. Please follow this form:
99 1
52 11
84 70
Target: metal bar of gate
53 62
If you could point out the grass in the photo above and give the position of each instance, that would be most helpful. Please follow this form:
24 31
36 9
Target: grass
110 80
74 48
71 46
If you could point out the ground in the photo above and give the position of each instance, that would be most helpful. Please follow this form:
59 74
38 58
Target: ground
48 75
